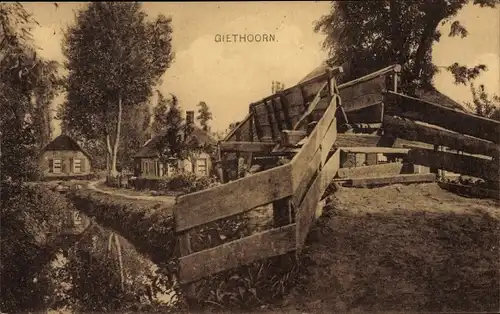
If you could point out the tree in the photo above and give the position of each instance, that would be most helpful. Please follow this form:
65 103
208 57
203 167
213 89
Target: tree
27 84
484 104
115 58
277 87
171 125
137 130
204 115
365 36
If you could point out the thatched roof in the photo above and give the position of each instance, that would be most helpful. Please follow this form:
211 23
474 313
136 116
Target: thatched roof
64 143
149 149
430 95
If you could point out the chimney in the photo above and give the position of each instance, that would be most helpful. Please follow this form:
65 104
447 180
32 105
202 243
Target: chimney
190 117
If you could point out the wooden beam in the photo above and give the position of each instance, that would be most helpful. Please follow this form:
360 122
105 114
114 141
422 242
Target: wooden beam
285 106
307 211
230 135
314 140
375 150
290 138
256 123
276 113
470 190
390 69
236 253
356 140
452 119
416 132
233 198
463 164
394 179
271 121
392 168
311 107
247 147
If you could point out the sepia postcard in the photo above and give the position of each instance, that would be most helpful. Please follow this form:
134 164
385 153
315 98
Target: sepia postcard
247 157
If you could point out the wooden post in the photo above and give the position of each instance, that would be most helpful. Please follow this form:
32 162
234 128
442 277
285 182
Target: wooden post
282 212
184 250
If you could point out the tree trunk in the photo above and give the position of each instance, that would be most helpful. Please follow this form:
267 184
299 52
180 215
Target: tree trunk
108 154
424 45
113 171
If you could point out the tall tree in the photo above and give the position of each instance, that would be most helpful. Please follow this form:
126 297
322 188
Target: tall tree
137 130
115 58
176 133
27 85
204 115
365 36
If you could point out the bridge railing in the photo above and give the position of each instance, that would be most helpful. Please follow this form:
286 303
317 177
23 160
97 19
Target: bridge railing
294 189
464 143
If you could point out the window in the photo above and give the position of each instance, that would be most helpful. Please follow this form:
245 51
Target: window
56 166
77 165
201 166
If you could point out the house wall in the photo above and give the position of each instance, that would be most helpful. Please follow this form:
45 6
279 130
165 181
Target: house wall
67 162
153 167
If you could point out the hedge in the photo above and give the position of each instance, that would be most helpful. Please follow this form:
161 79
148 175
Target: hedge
149 226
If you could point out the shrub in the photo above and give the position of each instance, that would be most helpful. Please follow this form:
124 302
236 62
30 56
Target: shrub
28 214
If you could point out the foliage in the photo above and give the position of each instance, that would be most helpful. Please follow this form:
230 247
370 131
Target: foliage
277 87
136 129
115 58
188 182
204 115
484 104
177 142
28 215
366 36
27 85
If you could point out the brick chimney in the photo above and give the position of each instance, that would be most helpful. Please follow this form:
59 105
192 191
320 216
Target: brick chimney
190 117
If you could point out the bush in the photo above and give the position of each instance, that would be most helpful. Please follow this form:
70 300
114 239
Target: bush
184 182
29 214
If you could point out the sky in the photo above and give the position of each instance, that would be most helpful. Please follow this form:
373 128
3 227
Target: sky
229 76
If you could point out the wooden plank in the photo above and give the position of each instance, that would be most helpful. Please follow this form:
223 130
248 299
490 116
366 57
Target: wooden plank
375 150
236 253
292 138
275 132
286 112
311 107
232 133
247 147
256 123
330 169
277 114
233 198
309 149
392 168
452 119
463 164
390 69
416 132
356 140
307 211
394 179
303 174
470 190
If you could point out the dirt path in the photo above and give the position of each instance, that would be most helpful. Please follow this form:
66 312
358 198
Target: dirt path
402 248
169 200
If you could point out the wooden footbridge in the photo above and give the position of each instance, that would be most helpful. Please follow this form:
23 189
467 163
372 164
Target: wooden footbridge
293 144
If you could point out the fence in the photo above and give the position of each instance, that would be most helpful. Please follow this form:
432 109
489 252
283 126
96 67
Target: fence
294 190
463 143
